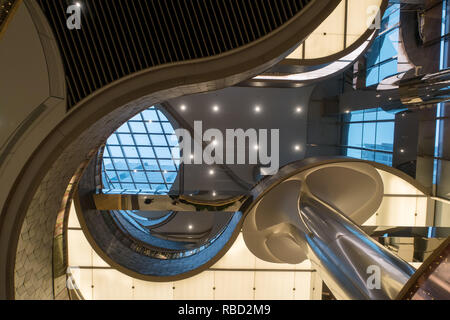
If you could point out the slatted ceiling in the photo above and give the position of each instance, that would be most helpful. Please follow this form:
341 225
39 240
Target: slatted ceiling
120 37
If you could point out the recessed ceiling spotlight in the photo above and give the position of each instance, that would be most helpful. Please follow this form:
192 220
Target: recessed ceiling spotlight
299 110
211 172
256 147
297 147
390 98
257 109
191 156
378 95
216 108
78 4
347 111
183 108
402 150
214 142
214 194
190 227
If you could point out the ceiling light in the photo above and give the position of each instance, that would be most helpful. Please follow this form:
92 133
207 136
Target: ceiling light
297 147
191 156
256 147
214 194
211 172
183 108
298 110
347 111
78 4
216 108
402 150
257 109
190 227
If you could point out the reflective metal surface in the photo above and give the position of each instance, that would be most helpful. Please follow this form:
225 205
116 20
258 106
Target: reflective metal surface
346 258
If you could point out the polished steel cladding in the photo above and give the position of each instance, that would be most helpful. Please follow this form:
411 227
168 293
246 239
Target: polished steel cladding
315 213
344 255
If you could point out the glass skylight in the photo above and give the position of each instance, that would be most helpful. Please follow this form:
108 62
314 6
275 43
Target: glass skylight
382 57
142 156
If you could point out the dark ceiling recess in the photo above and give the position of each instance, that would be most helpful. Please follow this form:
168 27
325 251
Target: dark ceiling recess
118 38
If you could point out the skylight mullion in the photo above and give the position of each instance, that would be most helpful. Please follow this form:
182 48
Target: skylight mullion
168 146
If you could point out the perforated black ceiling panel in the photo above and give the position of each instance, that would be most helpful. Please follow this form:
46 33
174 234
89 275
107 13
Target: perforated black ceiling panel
120 37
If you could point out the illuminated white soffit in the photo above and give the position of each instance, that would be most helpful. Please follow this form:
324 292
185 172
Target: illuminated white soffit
324 72
346 25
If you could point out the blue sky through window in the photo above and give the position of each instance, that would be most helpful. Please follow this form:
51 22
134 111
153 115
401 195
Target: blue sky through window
142 156
370 135
382 56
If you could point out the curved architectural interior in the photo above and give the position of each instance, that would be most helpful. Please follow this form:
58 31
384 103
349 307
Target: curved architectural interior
293 149
318 213
340 31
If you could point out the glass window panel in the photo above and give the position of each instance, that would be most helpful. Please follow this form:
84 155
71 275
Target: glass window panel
170 177
390 9
390 21
355 135
168 129
159 140
150 115
137 127
124 176
150 164
116 152
167 165
113 140
128 186
384 158
373 76
154 127
369 135
142 140
388 69
126 139
368 155
120 164
139 177
354 153
373 56
370 115
123 128
131 149
134 164
130 152
385 136
155 177
112 176
357 116
108 164
383 115
146 152
163 153
162 117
